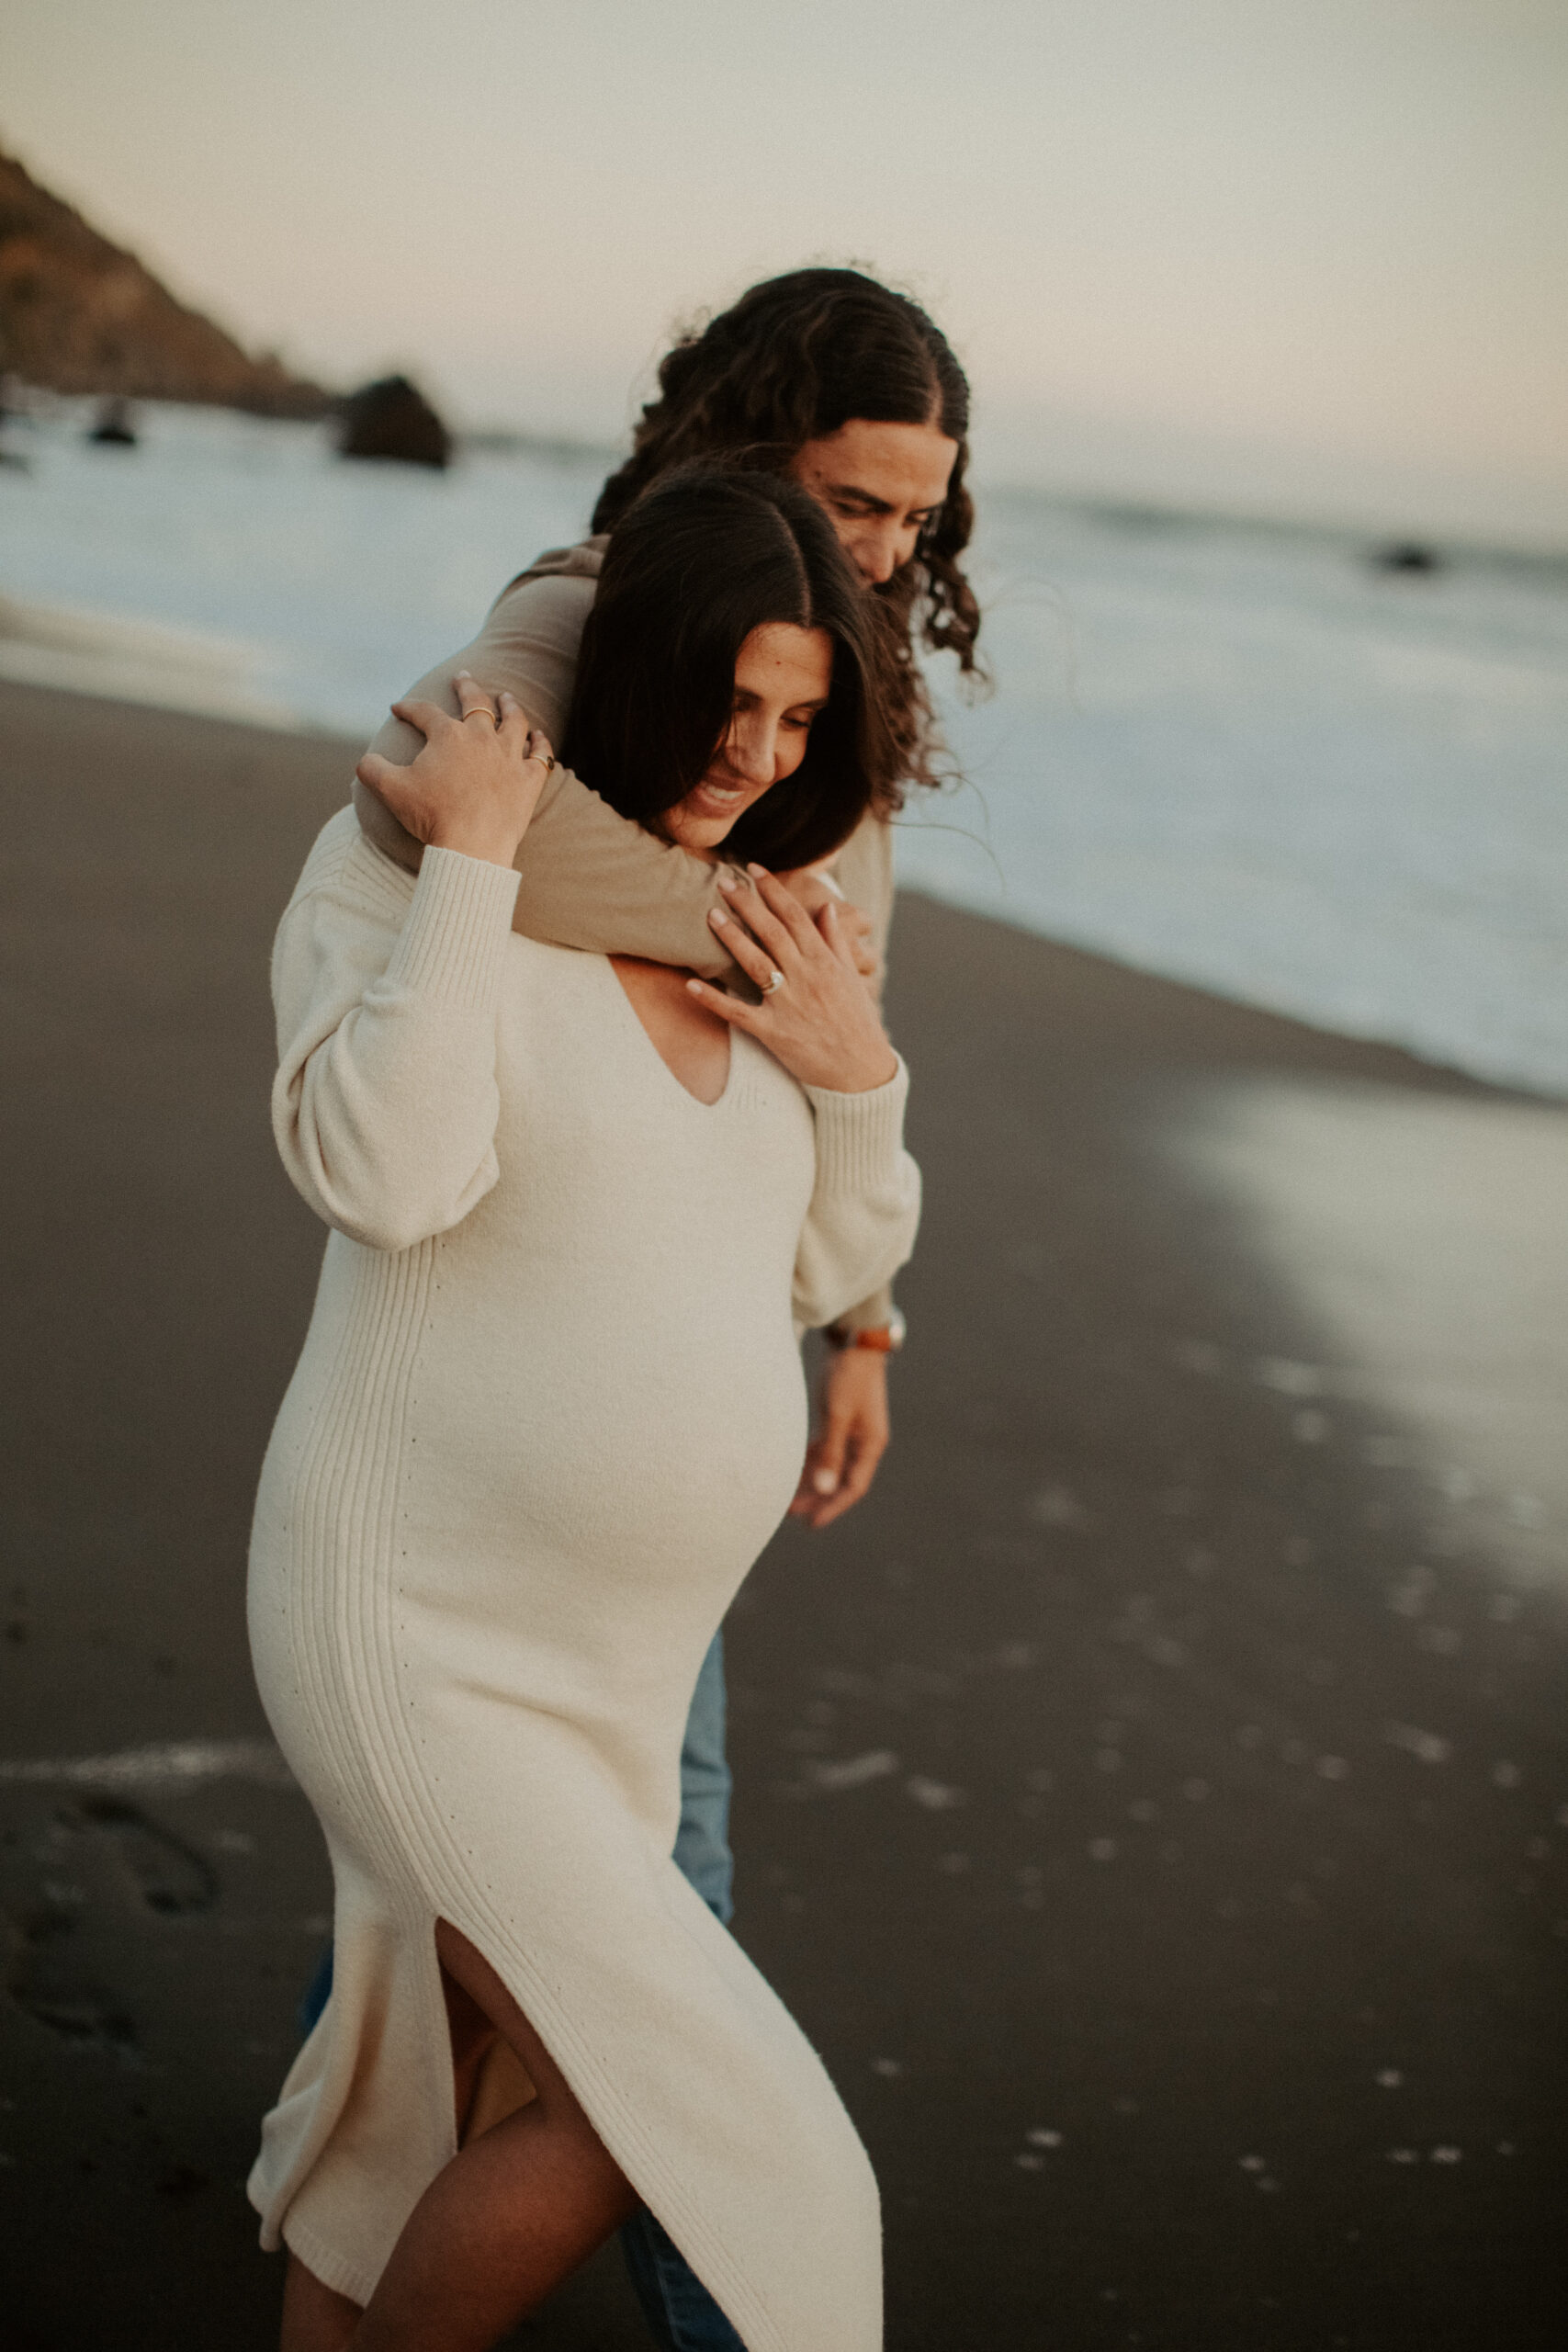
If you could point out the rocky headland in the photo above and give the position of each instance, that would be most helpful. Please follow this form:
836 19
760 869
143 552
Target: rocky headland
79 314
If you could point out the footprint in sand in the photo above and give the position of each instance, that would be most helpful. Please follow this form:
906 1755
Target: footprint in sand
132 1862
158 1868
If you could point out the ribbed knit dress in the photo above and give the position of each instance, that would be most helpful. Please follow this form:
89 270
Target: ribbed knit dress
549 1410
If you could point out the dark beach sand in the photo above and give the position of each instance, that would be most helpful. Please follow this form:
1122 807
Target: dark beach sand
1115 1805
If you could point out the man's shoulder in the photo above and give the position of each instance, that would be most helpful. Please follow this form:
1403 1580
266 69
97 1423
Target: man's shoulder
866 859
562 580
531 639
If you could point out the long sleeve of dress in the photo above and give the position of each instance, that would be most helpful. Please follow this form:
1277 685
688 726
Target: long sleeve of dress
385 1104
866 1205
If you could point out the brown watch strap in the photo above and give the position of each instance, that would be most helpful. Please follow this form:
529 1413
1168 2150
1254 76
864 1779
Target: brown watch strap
883 1339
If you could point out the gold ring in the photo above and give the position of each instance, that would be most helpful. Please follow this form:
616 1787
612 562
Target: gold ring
772 984
489 715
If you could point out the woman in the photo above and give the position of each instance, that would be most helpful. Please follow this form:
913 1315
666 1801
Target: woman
849 389
548 1411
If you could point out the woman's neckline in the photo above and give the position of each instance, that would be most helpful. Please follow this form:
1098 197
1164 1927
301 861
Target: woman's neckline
650 1041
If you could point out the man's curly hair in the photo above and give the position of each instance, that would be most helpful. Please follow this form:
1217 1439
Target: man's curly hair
793 360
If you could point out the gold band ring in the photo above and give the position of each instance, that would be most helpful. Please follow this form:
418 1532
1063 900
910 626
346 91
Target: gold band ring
772 984
488 714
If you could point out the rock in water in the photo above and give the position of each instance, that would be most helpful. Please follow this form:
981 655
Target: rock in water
1408 555
116 426
393 418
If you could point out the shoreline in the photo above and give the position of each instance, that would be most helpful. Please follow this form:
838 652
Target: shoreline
68 650
1150 1801
77 655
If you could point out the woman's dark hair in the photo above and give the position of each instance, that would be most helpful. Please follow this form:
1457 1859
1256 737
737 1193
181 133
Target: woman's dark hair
701 559
793 360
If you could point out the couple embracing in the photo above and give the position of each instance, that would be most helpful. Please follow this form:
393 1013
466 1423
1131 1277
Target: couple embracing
581 1062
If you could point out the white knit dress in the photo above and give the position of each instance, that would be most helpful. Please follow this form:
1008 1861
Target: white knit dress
549 1410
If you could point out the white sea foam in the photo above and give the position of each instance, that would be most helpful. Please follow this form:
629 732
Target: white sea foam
164 1764
1235 755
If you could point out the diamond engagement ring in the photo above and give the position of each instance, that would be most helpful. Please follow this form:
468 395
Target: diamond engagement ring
772 984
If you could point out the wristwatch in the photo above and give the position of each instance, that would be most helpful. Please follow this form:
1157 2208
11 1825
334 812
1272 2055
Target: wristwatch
885 1338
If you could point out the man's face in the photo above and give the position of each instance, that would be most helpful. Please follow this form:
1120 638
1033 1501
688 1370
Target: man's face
881 485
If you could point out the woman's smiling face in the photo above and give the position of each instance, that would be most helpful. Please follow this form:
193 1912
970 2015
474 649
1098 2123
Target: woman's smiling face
782 678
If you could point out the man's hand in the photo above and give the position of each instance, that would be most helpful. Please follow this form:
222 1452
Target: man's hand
809 884
851 1436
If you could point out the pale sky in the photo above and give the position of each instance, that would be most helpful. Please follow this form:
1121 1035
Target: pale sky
1310 254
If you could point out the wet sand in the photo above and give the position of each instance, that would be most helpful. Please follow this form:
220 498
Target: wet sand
1153 1800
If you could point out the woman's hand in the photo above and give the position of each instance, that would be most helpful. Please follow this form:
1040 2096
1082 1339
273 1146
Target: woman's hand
476 784
816 1016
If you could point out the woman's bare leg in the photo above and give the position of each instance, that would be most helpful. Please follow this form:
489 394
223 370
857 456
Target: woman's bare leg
314 2319
512 2215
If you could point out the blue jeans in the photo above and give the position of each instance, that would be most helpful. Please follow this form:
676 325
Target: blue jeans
676 2305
